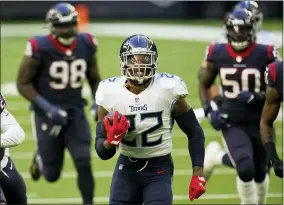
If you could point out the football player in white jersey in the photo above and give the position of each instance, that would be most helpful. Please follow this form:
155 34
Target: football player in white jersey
149 103
12 134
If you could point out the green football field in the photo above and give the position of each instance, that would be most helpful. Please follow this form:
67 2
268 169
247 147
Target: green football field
182 58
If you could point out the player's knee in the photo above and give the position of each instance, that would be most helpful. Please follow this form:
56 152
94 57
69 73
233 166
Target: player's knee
83 165
245 169
260 174
51 174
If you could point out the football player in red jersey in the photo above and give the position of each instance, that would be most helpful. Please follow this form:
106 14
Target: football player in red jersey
51 77
239 113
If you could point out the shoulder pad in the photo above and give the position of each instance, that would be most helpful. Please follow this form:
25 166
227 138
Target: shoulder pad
212 51
33 46
90 40
106 91
174 85
2 103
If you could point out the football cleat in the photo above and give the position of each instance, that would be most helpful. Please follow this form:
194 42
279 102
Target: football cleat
34 169
211 161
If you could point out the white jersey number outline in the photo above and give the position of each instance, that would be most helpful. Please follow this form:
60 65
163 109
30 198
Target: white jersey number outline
144 134
235 85
69 74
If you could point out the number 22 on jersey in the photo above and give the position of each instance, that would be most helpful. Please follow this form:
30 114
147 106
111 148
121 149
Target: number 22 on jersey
236 86
65 73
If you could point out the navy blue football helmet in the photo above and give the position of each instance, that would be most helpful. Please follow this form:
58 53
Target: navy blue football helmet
253 7
138 59
63 19
240 28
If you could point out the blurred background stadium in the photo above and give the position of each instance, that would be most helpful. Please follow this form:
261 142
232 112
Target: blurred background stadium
181 30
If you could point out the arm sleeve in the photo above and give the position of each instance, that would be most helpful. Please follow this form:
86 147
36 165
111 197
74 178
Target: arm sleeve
12 132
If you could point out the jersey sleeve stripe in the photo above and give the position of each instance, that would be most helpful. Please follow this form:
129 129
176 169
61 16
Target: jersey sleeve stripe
269 51
272 71
34 45
210 50
90 37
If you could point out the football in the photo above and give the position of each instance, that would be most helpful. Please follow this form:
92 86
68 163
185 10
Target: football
110 120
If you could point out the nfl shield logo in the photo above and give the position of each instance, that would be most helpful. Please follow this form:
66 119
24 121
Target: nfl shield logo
137 100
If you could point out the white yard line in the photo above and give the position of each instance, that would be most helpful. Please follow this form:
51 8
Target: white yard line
106 199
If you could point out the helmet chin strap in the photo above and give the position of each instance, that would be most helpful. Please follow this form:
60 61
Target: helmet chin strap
140 87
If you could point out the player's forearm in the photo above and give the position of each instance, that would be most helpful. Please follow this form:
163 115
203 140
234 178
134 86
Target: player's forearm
104 151
191 127
27 91
204 97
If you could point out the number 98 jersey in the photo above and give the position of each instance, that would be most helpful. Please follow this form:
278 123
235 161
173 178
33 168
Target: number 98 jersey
149 113
61 69
239 72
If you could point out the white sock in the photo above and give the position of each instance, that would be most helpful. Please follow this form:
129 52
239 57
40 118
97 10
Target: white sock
219 157
262 190
247 191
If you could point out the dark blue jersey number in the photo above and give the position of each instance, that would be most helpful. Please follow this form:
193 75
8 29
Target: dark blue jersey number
144 134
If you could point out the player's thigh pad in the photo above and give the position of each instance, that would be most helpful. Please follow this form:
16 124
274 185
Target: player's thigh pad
78 136
13 186
158 191
125 186
238 143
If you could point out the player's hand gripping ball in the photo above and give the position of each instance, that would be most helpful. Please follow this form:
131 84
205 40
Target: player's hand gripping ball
115 127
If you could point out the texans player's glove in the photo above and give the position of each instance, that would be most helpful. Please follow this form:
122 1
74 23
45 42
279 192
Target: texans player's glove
278 167
218 120
118 130
54 113
196 187
246 97
249 97
94 111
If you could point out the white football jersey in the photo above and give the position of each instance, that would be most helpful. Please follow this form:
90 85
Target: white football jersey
12 134
262 37
149 113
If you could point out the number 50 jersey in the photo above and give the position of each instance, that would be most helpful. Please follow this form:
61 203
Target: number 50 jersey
61 69
241 72
149 113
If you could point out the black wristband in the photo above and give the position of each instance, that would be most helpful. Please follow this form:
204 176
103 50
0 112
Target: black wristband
271 151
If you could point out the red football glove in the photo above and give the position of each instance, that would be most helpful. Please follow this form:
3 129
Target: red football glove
117 131
196 187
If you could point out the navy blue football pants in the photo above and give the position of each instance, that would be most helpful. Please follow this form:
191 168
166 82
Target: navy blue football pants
246 151
13 185
147 181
